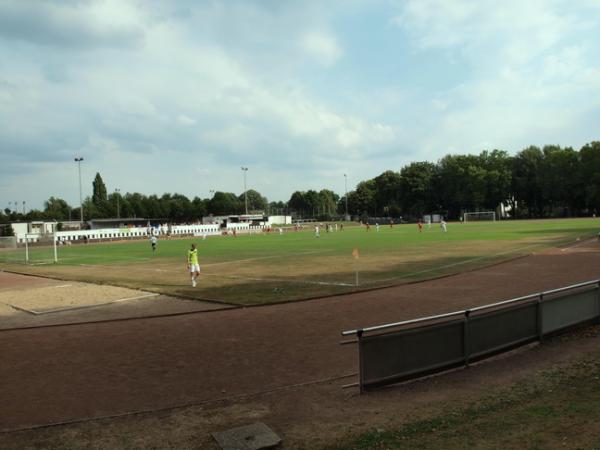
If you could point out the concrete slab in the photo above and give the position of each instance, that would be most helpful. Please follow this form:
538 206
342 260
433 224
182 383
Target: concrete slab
250 437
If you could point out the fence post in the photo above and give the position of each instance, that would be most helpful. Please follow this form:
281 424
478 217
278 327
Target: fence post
540 317
359 335
466 337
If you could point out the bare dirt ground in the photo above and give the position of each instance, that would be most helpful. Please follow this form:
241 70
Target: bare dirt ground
223 358
27 301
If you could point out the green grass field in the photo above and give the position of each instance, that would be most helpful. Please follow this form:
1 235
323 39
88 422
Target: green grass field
264 268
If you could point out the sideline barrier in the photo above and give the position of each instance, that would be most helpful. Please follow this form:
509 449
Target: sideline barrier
401 351
111 234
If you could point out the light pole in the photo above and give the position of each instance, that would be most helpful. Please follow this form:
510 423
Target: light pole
346 189
245 170
78 161
23 207
118 209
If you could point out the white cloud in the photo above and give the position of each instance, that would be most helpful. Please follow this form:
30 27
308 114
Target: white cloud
77 24
529 71
507 32
216 85
185 120
322 47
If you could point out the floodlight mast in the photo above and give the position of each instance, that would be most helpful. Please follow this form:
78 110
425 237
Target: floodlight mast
78 161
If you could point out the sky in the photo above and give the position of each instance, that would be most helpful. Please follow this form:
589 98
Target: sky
177 95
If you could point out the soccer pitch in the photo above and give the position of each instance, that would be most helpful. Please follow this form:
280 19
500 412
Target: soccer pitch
266 268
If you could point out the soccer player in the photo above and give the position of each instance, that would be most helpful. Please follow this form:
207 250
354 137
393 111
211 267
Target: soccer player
192 264
420 225
153 243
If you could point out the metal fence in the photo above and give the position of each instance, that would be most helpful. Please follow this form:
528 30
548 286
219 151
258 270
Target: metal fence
401 351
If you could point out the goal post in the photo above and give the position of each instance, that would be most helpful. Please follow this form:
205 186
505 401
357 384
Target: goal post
479 216
40 248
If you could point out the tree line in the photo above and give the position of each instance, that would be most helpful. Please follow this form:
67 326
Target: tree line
550 181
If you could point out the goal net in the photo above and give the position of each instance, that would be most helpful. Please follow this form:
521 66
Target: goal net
40 248
9 251
480 216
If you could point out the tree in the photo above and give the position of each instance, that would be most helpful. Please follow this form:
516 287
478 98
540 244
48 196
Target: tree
299 203
497 165
461 184
256 202
99 191
136 205
559 179
388 189
181 208
7 230
362 200
312 202
278 208
526 185
590 175
199 207
90 210
224 203
56 208
327 202
417 181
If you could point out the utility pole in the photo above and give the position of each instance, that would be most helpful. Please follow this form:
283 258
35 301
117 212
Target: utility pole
78 161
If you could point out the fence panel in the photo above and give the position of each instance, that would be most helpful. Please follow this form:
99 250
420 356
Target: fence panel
403 354
569 309
493 331
391 356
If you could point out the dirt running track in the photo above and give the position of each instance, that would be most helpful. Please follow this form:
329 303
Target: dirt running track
63 373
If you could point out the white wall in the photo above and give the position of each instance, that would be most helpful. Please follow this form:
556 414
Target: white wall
283 220
141 232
